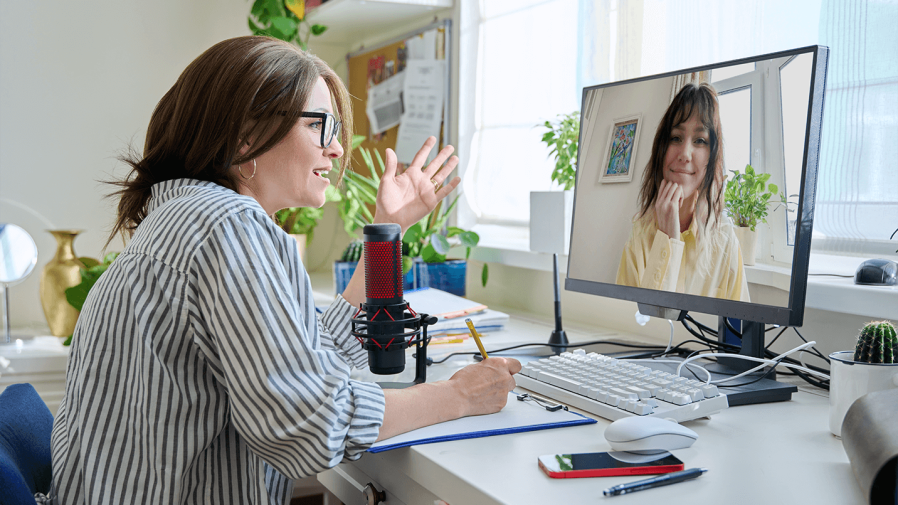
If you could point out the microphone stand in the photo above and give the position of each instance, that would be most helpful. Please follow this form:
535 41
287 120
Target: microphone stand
558 337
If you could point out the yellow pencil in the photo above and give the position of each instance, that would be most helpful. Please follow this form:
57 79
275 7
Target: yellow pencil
476 338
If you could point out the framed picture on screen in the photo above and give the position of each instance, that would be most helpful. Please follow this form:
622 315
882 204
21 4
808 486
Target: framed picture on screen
620 151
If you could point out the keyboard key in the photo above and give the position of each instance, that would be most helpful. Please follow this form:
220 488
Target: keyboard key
623 393
559 381
710 391
640 392
696 394
641 409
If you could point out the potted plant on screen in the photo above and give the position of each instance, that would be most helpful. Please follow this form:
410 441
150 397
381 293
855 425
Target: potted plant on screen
747 198
550 211
425 245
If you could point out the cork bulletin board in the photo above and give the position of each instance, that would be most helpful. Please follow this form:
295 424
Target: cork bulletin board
370 66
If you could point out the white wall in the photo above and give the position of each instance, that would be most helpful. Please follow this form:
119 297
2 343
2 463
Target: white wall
78 83
603 212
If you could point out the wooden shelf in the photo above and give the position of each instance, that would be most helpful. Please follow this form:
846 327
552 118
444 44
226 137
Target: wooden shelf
351 21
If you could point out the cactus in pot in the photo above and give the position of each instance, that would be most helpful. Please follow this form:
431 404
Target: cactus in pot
877 343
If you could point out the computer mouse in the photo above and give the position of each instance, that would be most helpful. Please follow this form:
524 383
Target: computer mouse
648 435
877 272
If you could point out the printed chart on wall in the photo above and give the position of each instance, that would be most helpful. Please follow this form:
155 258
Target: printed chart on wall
400 91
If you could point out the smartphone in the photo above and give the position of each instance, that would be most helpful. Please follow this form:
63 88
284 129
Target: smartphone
606 464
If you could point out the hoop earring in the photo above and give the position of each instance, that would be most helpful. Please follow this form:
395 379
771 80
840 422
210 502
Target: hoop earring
240 171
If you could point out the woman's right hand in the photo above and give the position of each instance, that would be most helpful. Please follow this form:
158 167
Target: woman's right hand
667 208
484 386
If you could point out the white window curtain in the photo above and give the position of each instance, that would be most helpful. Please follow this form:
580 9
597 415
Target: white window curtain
518 62
523 62
857 188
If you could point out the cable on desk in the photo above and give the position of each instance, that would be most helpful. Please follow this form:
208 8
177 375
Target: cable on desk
536 344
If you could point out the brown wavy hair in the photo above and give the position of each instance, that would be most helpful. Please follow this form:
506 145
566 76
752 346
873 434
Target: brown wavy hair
242 91
701 99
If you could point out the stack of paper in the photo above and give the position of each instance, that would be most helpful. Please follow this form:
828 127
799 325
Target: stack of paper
451 312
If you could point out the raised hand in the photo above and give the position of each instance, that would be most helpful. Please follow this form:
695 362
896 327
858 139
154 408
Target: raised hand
406 198
667 208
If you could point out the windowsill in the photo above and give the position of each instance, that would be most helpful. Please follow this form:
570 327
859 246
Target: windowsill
826 290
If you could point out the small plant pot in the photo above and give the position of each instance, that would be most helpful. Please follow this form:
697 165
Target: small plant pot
343 271
448 276
301 241
748 242
850 380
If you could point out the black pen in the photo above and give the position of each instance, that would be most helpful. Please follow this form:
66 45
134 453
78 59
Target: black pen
662 480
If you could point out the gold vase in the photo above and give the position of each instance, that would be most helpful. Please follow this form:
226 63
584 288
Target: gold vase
61 273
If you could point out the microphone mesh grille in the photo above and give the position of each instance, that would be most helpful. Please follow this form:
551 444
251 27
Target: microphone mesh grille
383 269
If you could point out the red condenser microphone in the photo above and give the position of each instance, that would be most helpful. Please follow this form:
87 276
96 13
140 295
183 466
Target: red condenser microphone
385 324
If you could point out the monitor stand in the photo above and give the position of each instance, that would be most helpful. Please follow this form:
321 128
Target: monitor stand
764 390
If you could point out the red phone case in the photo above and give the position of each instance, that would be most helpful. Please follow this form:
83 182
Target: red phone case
611 472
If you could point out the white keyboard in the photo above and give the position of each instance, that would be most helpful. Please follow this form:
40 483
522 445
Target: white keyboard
613 388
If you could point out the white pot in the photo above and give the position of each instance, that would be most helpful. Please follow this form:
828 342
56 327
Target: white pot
301 241
850 380
748 241
550 221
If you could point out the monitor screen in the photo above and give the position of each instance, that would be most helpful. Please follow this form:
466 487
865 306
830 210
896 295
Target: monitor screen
657 213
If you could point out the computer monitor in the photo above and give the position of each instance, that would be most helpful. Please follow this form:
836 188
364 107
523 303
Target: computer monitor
675 248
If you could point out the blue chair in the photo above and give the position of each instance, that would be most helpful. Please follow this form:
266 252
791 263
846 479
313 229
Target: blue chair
25 426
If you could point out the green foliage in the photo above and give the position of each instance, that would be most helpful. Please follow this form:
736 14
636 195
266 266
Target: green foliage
303 220
77 295
562 138
429 239
877 343
747 197
284 20
353 251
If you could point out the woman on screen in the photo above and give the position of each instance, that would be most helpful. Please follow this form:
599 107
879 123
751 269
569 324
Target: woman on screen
681 239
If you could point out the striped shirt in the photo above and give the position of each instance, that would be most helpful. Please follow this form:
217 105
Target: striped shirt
199 370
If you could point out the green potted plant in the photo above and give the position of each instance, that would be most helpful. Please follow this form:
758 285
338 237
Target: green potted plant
90 274
871 366
425 245
550 211
300 222
284 20
747 198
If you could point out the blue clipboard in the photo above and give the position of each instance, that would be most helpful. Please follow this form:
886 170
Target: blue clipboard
516 417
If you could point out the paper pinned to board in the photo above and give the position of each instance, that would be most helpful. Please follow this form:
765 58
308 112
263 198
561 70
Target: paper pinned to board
423 46
384 108
422 98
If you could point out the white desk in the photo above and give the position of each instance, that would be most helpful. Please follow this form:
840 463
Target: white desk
770 453
39 361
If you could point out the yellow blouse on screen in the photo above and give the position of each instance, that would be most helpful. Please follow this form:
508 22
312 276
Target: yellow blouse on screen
653 260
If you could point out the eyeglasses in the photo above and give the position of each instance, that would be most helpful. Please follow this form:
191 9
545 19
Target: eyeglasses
331 127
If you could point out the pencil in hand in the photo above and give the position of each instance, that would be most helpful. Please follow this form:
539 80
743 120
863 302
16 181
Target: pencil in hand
476 337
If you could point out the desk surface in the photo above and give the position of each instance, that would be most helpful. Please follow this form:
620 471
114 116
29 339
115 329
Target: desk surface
770 453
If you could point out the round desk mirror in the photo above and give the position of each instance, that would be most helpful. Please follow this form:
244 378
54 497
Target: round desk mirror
18 255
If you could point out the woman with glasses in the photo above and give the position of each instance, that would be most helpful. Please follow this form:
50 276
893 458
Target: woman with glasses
199 370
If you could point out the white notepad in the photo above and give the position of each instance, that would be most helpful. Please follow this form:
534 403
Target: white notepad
516 417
